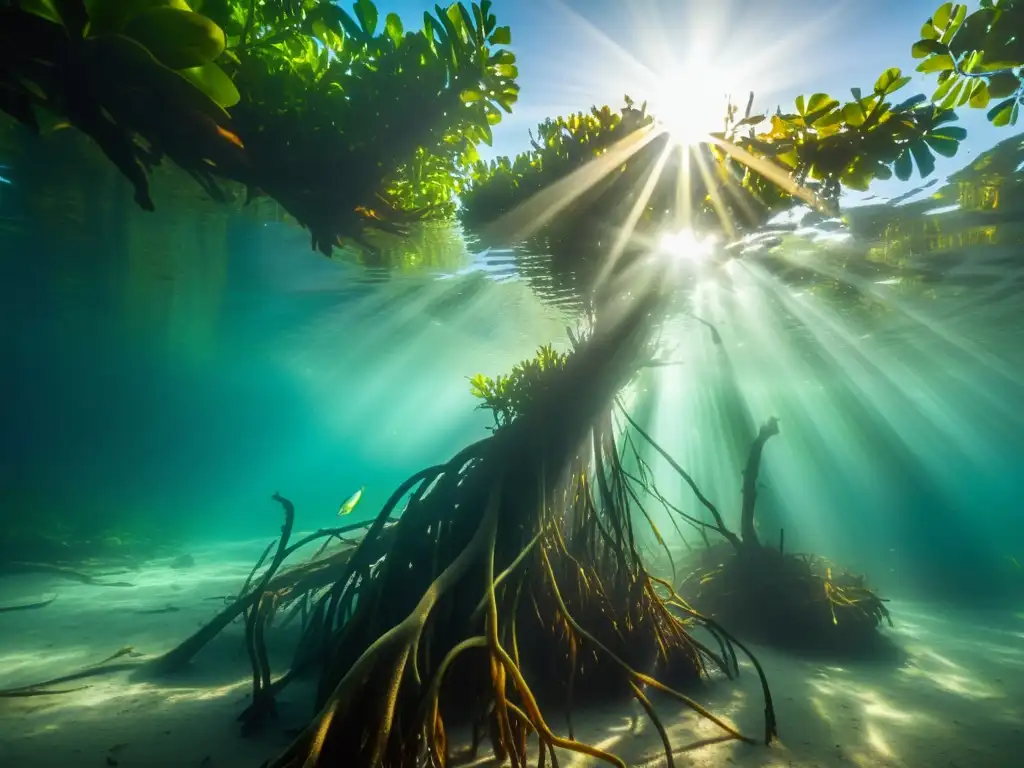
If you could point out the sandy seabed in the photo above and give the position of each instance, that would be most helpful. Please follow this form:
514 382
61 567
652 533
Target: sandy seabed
952 698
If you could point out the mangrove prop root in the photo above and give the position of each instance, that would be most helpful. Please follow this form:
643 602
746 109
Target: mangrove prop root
656 721
747 531
395 644
639 677
256 620
720 526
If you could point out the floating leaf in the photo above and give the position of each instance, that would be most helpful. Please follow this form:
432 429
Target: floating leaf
179 39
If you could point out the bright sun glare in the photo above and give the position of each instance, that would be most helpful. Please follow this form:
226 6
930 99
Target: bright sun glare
686 246
689 106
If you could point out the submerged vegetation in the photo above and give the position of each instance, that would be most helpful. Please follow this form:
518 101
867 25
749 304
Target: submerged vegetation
512 577
760 590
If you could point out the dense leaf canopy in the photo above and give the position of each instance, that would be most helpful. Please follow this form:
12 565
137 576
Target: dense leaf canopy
822 143
296 99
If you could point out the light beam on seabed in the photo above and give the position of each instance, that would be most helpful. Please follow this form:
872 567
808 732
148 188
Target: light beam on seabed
390 370
689 97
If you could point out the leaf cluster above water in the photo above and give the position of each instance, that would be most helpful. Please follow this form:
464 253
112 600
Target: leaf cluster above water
346 119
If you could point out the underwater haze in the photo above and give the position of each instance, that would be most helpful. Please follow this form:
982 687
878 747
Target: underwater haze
660 446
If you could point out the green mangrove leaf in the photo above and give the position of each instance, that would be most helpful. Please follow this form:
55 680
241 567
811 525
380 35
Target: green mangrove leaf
352 29
980 95
954 132
470 96
927 47
1004 113
106 16
944 146
124 64
42 8
456 25
214 82
471 28
502 57
178 39
910 103
853 114
890 80
904 165
501 36
923 157
929 32
395 30
367 14
945 85
971 35
952 98
943 15
938 63
959 13
1003 84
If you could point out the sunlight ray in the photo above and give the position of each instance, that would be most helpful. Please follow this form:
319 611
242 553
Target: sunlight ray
541 208
625 232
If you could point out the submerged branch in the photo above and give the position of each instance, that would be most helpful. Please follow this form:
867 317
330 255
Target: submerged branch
747 530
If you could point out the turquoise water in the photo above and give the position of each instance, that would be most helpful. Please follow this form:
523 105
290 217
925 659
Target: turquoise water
169 372
165 374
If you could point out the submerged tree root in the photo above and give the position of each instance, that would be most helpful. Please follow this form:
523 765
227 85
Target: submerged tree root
513 577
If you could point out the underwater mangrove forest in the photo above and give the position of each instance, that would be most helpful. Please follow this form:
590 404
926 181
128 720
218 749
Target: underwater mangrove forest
495 591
